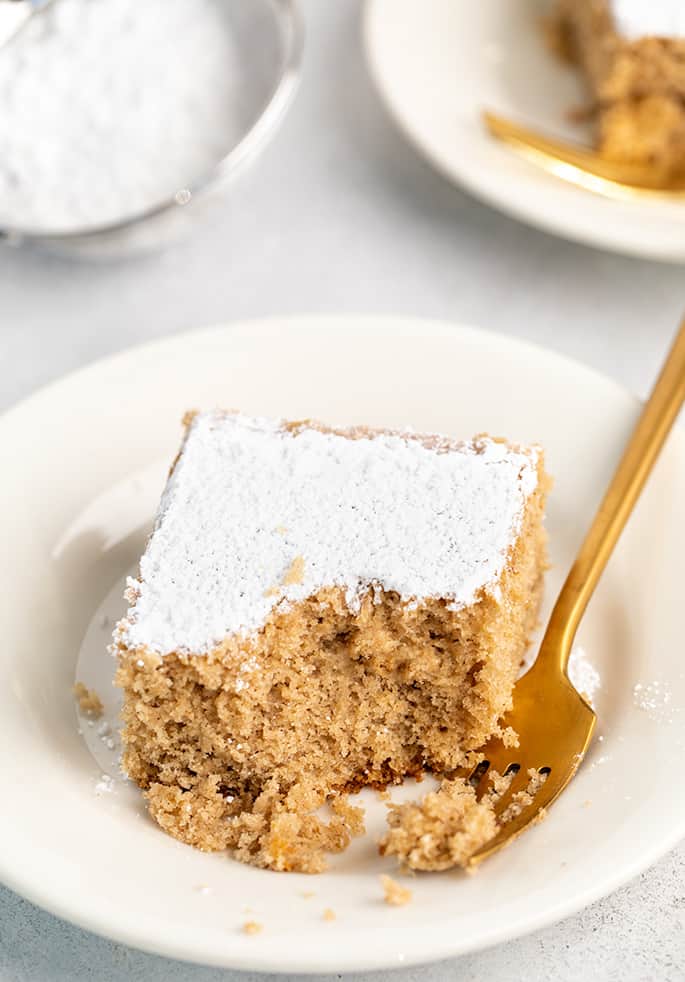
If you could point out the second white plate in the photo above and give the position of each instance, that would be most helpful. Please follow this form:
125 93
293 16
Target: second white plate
438 63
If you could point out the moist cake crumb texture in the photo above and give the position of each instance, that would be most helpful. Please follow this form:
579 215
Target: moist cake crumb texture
449 825
409 571
443 830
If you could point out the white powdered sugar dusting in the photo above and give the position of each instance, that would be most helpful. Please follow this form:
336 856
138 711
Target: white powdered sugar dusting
105 785
655 698
638 18
583 674
110 106
256 516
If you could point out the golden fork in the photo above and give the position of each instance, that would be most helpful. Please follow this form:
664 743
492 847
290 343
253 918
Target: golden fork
582 167
553 721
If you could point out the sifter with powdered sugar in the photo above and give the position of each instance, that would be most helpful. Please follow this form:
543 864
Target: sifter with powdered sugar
118 116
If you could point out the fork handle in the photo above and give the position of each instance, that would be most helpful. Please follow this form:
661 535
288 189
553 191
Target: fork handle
639 456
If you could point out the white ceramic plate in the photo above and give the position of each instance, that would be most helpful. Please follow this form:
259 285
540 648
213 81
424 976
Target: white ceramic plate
438 63
84 462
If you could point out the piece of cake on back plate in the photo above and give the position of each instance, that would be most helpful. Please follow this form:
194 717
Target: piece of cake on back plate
632 53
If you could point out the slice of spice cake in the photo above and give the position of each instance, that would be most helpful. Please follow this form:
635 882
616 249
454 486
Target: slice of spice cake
318 610
632 53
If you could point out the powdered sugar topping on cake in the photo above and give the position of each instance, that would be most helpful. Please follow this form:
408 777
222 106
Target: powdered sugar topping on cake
637 18
256 515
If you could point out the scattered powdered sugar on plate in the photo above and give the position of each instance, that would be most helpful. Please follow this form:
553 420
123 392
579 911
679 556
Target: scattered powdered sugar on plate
96 671
105 785
655 698
108 108
104 731
583 675
250 500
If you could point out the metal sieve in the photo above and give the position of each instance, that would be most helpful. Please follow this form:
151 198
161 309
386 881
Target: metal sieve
271 73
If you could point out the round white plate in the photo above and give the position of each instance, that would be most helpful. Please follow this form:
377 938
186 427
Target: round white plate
438 63
84 463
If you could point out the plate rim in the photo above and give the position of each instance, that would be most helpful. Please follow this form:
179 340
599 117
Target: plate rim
598 238
259 959
443 325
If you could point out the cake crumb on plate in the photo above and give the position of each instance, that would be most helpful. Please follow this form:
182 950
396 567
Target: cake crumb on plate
89 701
252 927
328 914
394 893
442 830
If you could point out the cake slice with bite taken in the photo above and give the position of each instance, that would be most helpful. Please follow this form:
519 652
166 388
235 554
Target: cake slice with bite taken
319 610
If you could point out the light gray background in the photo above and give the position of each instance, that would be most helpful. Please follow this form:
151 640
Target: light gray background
340 215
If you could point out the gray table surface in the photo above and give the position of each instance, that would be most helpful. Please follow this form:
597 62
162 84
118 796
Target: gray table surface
339 215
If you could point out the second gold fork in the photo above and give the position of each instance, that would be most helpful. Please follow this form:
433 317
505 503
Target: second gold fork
582 167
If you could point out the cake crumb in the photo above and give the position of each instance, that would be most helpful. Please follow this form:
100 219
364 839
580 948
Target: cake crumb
394 893
384 795
307 894
448 826
252 927
441 831
295 574
522 799
328 914
499 784
89 701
